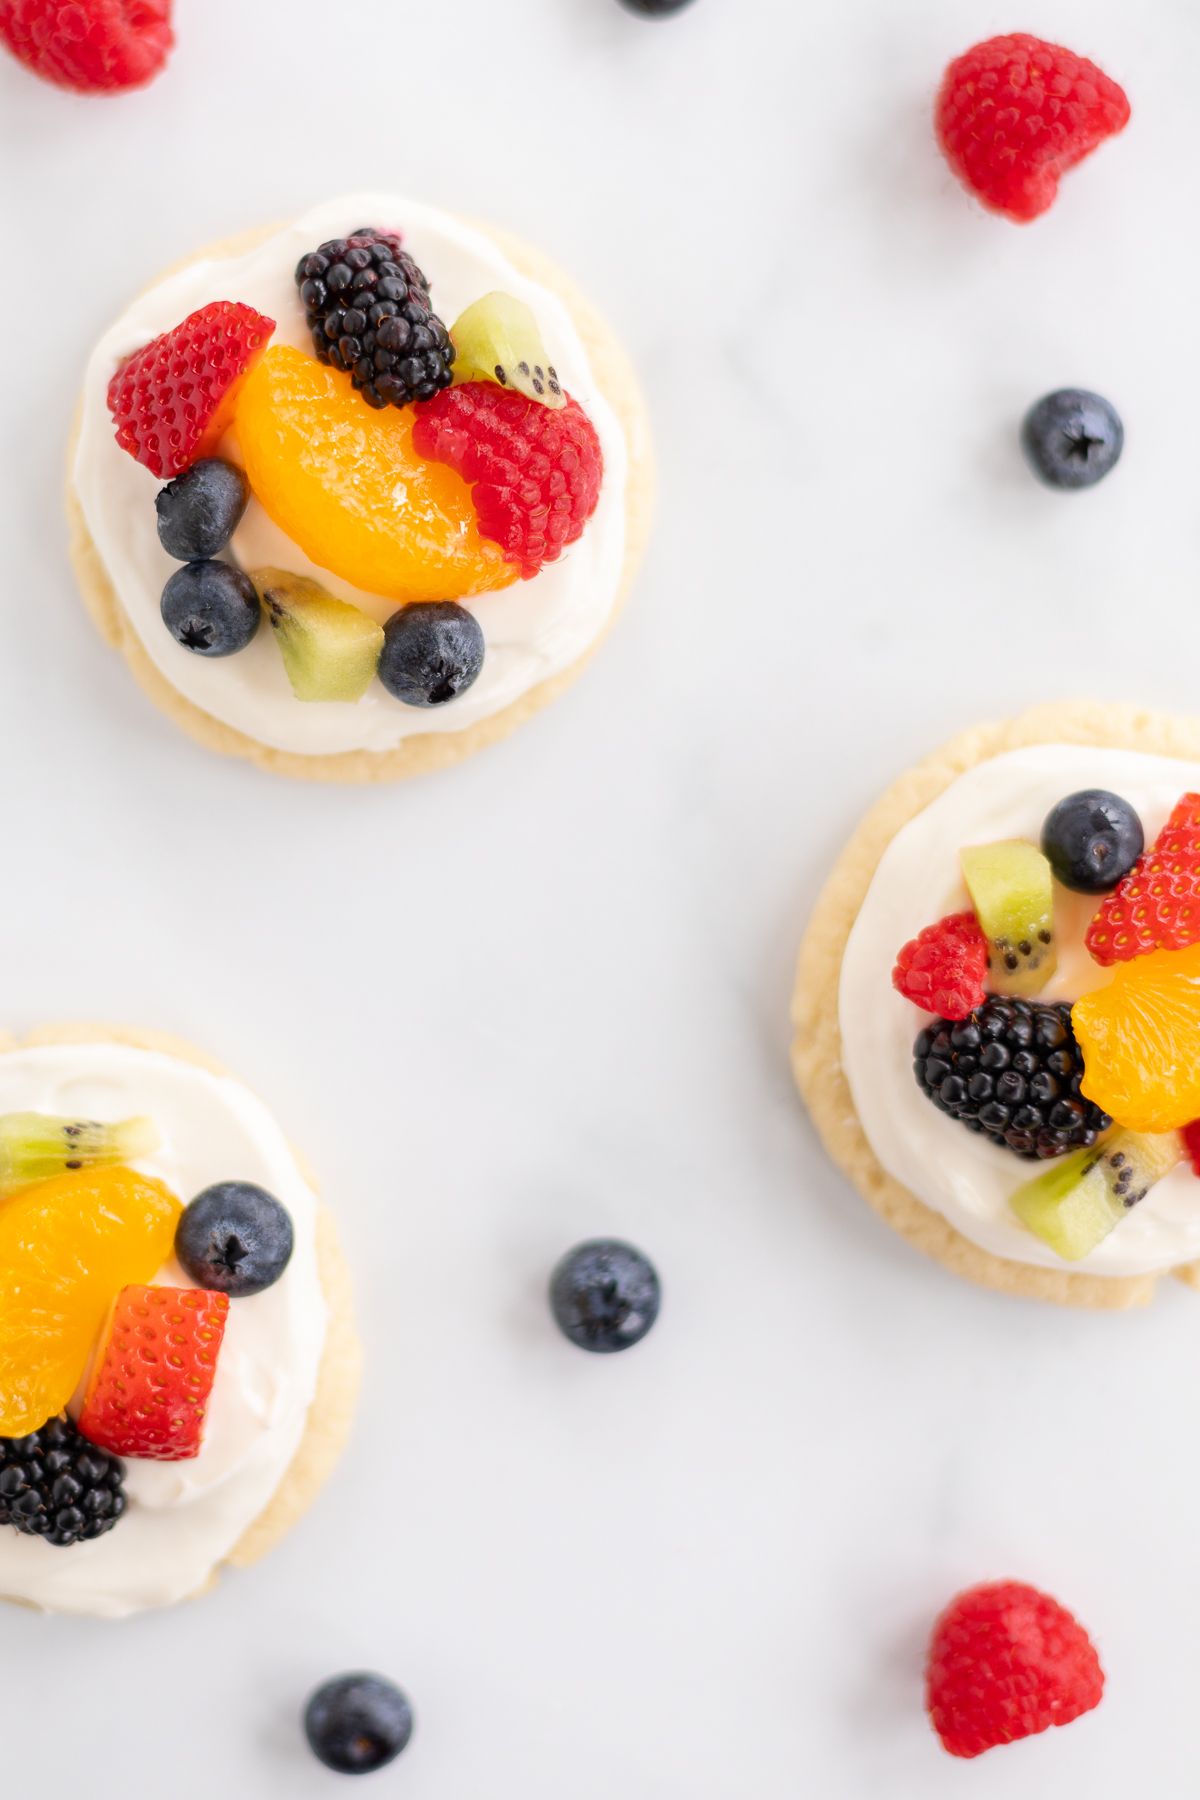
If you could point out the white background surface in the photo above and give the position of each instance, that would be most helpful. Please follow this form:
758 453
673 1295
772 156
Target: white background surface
545 996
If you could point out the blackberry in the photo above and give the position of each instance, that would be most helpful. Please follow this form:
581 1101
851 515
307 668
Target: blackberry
367 306
56 1486
1011 1070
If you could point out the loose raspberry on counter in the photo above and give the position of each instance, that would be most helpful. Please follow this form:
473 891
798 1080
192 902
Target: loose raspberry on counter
1006 1662
172 401
944 967
1015 113
1157 905
148 1393
534 474
93 46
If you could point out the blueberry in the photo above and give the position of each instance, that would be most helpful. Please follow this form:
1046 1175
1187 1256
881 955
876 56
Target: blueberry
432 651
210 608
1091 840
1072 438
655 9
604 1295
357 1723
200 510
235 1238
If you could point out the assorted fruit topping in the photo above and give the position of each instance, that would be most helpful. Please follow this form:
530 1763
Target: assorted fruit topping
1006 1662
605 1295
1072 438
357 1723
367 306
173 401
83 1240
497 339
1015 113
92 46
1106 1081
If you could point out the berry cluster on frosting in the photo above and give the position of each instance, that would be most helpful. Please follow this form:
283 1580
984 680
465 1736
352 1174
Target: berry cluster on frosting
1105 1086
423 465
101 1360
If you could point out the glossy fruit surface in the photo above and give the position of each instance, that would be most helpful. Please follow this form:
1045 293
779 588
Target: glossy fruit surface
330 649
148 1393
357 1723
1078 1201
1140 1039
346 484
1157 905
497 339
1013 895
210 608
200 510
605 1295
431 653
1091 840
67 1248
235 1238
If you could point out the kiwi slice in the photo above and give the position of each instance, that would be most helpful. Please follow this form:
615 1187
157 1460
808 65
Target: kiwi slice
1012 891
497 339
1074 1205
330 649
38 1146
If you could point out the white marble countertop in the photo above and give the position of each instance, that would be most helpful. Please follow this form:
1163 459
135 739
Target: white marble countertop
545 996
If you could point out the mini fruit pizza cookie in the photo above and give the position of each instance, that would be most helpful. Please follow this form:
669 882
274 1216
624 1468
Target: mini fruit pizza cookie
997 1009
178 1362
355 498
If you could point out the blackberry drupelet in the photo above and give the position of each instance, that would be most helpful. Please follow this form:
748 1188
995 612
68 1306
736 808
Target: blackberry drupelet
367 306
56 1486
1011 1071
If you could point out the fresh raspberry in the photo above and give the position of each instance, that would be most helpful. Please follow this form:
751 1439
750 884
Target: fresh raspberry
173 400
149 1390
943 968
1191 1143
1006 1662
534 473
1015 113
1157 905
94 46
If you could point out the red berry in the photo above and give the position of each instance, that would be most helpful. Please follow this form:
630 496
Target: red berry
534 473
1157 905
1191 1143
1015 113
173 400
1006 1662
943 968
149 1390
94 46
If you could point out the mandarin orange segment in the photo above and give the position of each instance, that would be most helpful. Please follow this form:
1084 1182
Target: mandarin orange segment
67 1248
1140 1038
345 483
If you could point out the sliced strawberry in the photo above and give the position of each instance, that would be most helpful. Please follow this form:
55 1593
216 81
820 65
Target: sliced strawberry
1157 905
149 1389
173 400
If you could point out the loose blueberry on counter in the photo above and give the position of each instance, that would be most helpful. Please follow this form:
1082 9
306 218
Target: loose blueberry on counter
1072 438
235 1238
1091 840
210 608
201 509
655 9
605 1295
432 652
357 1723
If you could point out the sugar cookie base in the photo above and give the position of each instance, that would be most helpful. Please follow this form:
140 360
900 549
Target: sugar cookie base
816 1046
428 750
340 1371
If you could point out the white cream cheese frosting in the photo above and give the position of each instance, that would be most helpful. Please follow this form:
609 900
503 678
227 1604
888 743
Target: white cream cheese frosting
962 1176
184 1518
532 630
